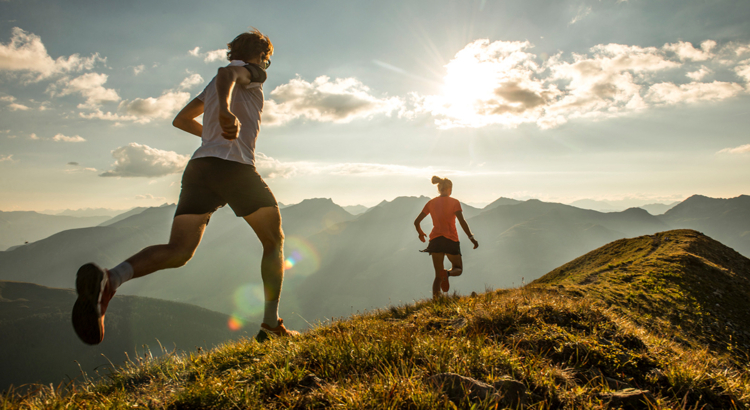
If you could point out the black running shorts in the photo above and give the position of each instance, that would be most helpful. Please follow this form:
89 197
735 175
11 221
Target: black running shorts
209 183
441 244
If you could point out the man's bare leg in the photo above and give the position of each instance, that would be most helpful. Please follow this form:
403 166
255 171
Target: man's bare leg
266 222
95 286
437 263
457 266
186 235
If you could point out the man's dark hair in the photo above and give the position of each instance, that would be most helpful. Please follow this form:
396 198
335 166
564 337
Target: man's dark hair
249 45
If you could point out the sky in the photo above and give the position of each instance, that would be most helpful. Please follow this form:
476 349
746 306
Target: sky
640 100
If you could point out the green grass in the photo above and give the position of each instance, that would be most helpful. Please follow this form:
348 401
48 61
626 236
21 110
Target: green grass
565 351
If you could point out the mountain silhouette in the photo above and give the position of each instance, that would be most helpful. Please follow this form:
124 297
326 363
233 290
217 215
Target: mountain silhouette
340 264
19 227
725 219
38 344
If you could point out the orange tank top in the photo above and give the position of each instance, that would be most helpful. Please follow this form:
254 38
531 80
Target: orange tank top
443 212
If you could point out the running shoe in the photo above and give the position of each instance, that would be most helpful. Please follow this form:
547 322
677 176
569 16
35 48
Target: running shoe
266 332
444 284
94 294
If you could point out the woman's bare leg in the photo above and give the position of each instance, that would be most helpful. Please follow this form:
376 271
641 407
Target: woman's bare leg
437 262
457 266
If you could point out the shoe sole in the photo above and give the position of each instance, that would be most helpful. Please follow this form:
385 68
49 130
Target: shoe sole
86 316
444 284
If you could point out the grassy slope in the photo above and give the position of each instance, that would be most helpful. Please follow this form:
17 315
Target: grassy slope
567 351
679 282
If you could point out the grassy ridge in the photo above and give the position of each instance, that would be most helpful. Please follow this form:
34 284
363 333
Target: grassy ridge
568 353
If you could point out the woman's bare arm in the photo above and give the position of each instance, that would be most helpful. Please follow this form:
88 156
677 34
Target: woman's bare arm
465 226
417 221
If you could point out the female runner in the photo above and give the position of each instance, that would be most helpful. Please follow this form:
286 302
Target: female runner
444 238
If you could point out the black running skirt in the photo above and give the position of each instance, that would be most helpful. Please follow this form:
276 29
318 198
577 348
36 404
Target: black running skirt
441 244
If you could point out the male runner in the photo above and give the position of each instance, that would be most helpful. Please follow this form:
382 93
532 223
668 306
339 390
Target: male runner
221 171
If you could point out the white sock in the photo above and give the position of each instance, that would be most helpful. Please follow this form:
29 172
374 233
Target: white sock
120 274
271 313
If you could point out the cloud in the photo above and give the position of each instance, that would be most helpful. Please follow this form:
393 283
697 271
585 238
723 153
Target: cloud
17 107
77 168
340 101
138 69
33 136
272 168
583 11
209 56
686 51
504 83
136 160
144 110
670 94
150 197
63 138
7 98
190 82
699 74
164 106
90 86
9 158
26 53
742 149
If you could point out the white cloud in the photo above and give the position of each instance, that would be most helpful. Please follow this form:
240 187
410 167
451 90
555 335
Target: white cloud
33 136
272 168
209 56
686 51
64 138
90 86
699 74
26 53
150 197
743 70
340 101
190 81
668 93
138 69
144 110
582 12
4 158
136 160
164 106
7 98
17 107
742 149
502 83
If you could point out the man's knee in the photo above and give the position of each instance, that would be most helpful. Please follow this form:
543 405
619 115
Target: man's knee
181 255
273 240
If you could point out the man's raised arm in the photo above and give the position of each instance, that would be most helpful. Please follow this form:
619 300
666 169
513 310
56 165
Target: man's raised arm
225 80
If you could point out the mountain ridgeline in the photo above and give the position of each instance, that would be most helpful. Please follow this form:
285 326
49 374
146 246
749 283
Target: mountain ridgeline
341 263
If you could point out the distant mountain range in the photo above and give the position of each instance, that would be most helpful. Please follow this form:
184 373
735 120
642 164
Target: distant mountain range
38 344
621 205
341 263
19 227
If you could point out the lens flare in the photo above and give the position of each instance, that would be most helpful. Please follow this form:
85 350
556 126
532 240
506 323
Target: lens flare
235 323
301 257
248 300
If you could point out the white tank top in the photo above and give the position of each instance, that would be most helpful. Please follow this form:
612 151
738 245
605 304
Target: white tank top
246 104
